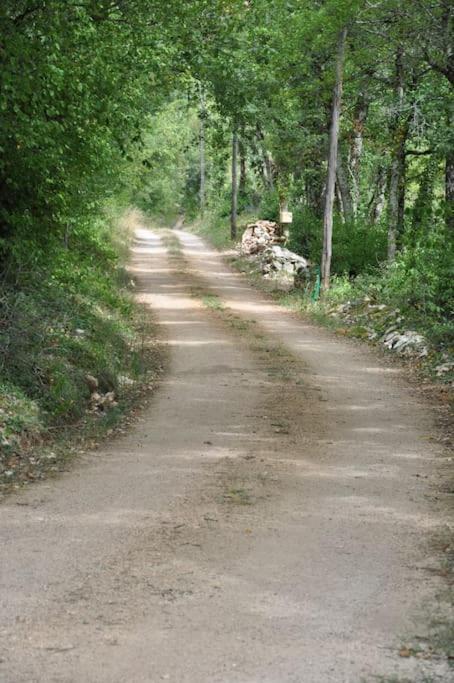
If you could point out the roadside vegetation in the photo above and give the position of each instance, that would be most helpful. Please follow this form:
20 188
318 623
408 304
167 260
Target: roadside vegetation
76 353
371 308
79 83
356 144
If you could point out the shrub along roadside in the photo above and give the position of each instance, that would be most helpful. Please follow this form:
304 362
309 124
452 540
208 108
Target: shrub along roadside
364 309
75 317
415 294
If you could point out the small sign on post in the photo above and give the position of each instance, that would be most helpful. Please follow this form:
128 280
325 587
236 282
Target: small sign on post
286 217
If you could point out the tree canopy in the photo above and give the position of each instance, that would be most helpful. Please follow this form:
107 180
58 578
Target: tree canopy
86 85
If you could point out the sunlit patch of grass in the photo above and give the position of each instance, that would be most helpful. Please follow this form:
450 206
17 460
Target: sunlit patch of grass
238 496
171 243
75 318
212 301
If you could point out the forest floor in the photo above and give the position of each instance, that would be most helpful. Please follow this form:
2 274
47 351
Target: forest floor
278 513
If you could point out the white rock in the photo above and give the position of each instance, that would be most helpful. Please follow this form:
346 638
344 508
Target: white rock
444 368
258 236
408 343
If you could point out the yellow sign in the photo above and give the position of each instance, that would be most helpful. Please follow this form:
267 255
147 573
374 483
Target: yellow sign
286 217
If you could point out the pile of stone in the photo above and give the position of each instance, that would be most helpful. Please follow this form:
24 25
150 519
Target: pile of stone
383 324
408 343
277 260
99 402
258 236
262 243
444 368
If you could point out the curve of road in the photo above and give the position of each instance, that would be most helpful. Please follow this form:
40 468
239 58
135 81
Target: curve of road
254 525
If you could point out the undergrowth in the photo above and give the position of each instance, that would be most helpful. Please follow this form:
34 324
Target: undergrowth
368 306
415 293
214 226
75 317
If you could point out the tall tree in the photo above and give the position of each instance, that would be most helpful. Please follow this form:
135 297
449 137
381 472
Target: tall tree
332 161
356 147
234 206
397 173
202 149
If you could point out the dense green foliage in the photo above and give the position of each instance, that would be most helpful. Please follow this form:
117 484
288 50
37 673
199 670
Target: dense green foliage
81 83
74 318
74 322
272 82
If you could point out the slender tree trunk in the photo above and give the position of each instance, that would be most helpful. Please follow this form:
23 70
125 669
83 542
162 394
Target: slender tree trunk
202 143
356 149
234 209
344 191
449 189
377 201
338 202
396 203
243 169
267 164
393 208
269 170
332 162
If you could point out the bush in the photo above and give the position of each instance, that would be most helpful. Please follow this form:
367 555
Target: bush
419 284
269 206
19 420
422 277
74 317
357 247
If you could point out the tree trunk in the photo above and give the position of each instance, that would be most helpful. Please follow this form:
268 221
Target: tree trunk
338 202
267 164
234 209
344 191
449 189
396 203
445 67
356 149
243 169
377 201
332 162
202 141
396 206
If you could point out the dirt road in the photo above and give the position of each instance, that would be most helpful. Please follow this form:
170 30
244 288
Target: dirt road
266 520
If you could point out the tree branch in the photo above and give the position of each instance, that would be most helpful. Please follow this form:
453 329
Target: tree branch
416 152
438 67
26 13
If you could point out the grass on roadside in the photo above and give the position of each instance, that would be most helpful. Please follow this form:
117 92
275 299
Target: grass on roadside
77 319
